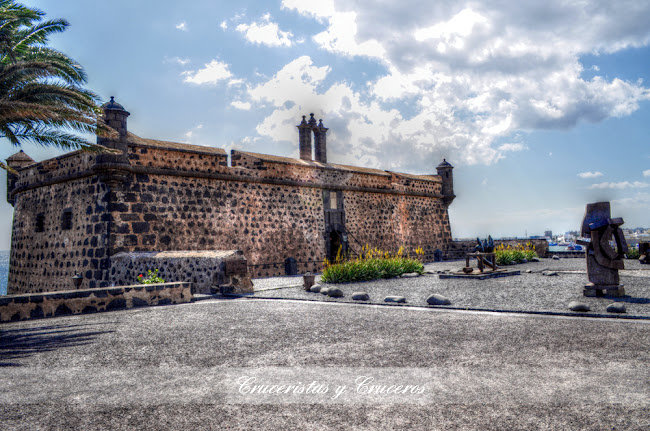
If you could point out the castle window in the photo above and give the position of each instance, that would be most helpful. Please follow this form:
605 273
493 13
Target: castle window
333 201
40 223
66 219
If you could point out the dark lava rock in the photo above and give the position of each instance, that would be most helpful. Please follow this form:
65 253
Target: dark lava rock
616 307
399 299
360 296
437 299
335 292
578 306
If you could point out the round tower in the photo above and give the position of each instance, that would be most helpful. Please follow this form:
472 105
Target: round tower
16 162
113 166
115 116
445 172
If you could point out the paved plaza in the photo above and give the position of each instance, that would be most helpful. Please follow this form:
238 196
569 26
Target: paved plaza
176 367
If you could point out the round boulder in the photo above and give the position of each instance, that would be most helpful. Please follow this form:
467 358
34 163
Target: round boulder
360 296
315 288
324 290
335 292
437 299
616 307
578 306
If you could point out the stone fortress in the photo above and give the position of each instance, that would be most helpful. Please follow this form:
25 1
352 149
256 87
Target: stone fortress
94 214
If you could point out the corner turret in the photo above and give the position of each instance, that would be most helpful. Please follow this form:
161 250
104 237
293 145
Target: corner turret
113 165
445 171
16 162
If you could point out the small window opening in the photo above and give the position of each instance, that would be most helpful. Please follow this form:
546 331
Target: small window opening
66 221
40 223
333 201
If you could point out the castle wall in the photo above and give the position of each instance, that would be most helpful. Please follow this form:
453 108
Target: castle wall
177 197
270 209
391 221
46 260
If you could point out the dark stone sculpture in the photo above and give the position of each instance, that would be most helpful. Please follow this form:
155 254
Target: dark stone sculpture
487 246
603 261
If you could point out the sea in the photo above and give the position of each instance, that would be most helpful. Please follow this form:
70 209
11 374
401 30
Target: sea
4 271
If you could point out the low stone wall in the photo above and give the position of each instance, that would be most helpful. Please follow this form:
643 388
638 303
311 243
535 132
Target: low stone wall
458 249
50 304
567 254
208 271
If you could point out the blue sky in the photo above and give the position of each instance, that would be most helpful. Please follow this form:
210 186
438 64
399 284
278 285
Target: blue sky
541 107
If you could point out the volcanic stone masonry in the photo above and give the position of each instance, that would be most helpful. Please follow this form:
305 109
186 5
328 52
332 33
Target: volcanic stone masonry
75 213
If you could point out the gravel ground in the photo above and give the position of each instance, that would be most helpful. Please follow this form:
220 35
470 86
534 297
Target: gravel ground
172 367
528 292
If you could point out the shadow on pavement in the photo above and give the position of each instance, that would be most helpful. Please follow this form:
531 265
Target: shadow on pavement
24 342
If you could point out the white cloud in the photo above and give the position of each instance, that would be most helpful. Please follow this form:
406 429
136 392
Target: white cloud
512 147
265 32
182 26
473 75
620 185
590 174
244 106
224 25
320 10
190 133
178 60
639 200
211 73
646 173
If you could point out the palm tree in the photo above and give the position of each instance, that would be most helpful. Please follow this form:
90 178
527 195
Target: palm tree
41 95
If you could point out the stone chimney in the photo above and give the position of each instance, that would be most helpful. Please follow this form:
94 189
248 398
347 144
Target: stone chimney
445 171
320 142
304 140
16 162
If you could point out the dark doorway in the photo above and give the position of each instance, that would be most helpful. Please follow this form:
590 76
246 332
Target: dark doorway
335 243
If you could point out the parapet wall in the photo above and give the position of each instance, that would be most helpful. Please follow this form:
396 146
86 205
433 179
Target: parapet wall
50 304
208 271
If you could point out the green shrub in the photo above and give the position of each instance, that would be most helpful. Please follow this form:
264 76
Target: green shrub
371 265
508 255
633 253
151 279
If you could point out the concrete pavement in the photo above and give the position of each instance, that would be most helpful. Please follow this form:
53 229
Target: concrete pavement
173 367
